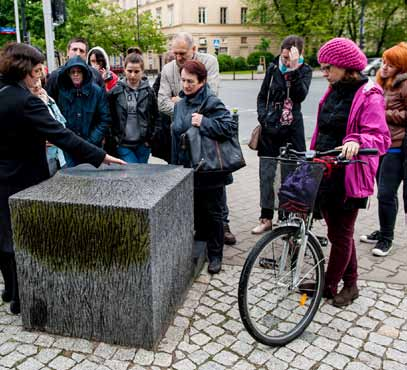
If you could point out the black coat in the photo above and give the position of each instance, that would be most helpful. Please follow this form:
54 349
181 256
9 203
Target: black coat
217 124
269 115
147 110
25 125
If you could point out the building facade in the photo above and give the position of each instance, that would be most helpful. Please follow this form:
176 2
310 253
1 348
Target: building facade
217 26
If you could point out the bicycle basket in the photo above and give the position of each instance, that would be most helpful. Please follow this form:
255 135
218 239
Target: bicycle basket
296 185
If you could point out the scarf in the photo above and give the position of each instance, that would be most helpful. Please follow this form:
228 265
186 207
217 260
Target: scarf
284 69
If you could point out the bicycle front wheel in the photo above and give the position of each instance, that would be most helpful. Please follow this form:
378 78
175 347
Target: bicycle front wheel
276 304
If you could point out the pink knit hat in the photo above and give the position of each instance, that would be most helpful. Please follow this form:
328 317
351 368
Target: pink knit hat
342 53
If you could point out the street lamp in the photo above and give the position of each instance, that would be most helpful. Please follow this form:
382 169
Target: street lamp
362 25
138 24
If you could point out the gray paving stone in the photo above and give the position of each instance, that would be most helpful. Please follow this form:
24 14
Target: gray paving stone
394 322
226 358
325 344
377 314
354 365
358 332
367 322
276 364
7 347
117 365
374 349
143 357
44 341
214 331
393 365
61 363
243 365
298 345
285 354
30 364
86 365
184 365
47 354
346 350
314 353
188 348
336 360
259 357
393 354
200 339
226 339
199 357
127 354
400 345
380 339
105 350
340 325
163 359
78 357
210 366
302 363
241 348
213 348
331 333
352 341
27 349
370 360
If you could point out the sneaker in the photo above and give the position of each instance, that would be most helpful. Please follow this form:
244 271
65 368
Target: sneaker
229 238
382 248
265 225
372 238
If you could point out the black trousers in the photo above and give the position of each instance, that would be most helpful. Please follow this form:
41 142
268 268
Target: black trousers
390 177
208 206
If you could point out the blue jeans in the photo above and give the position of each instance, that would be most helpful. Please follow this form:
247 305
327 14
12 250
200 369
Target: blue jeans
137 154
390 177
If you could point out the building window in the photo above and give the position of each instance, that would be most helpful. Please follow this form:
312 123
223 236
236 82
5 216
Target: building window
243 15
202 50
158 14
223 15
202 15
170 15
243 40
223 50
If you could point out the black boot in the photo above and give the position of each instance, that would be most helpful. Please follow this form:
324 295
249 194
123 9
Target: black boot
15 298
6 294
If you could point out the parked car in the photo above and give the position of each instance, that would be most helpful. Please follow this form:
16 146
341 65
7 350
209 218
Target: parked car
373 65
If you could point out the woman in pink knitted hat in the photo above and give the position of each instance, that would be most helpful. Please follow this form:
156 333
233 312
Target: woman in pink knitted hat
351 116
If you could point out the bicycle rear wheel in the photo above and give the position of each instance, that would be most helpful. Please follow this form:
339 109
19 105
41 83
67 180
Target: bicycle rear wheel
273 308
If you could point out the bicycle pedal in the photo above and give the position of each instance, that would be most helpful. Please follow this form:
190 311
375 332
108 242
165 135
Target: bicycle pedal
268 263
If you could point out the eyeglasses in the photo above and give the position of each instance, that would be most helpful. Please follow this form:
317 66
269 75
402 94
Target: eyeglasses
326 68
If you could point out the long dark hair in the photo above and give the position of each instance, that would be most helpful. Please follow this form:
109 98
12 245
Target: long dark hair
17 60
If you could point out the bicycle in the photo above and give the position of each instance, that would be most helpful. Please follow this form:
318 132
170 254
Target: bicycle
282 280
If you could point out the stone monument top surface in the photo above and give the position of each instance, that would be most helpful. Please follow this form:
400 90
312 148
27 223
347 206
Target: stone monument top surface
134 185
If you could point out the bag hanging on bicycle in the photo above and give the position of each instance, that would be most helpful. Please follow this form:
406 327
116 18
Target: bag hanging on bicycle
210 155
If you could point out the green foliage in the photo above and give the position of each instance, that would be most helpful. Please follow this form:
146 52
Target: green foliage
254 58
240 64
264 44
225 63
318 21
103 23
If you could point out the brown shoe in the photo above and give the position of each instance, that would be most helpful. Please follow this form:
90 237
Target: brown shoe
265 225
346 296
228 238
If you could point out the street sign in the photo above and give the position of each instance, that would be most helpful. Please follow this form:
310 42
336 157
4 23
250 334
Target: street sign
216 43
7 30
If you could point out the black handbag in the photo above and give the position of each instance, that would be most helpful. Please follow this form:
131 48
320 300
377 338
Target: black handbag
209 155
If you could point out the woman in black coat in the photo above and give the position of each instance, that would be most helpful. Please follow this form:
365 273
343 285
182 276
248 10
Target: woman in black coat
200 107
25 125
287 77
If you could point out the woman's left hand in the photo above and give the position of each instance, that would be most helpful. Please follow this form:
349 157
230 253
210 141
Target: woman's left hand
349 149
294 57
196 119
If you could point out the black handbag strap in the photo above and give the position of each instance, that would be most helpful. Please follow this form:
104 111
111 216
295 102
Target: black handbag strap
268 91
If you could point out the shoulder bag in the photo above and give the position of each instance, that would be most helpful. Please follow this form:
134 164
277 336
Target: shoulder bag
255 135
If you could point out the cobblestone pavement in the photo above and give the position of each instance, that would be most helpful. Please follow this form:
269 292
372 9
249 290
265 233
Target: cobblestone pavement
207 332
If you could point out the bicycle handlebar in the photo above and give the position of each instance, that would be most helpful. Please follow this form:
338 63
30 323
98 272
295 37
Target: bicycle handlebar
311 154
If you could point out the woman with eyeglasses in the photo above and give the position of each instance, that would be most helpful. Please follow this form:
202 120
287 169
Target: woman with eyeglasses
392 77
284 88
351 116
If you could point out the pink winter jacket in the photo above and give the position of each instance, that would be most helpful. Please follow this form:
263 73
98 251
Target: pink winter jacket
367 126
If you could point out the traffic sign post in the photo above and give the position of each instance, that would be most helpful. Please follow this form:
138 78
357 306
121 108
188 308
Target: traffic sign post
216 45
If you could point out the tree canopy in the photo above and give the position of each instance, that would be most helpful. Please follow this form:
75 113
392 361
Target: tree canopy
101 22
319 20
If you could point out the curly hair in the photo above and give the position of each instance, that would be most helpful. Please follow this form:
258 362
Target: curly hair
196 68
17 60
397 57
